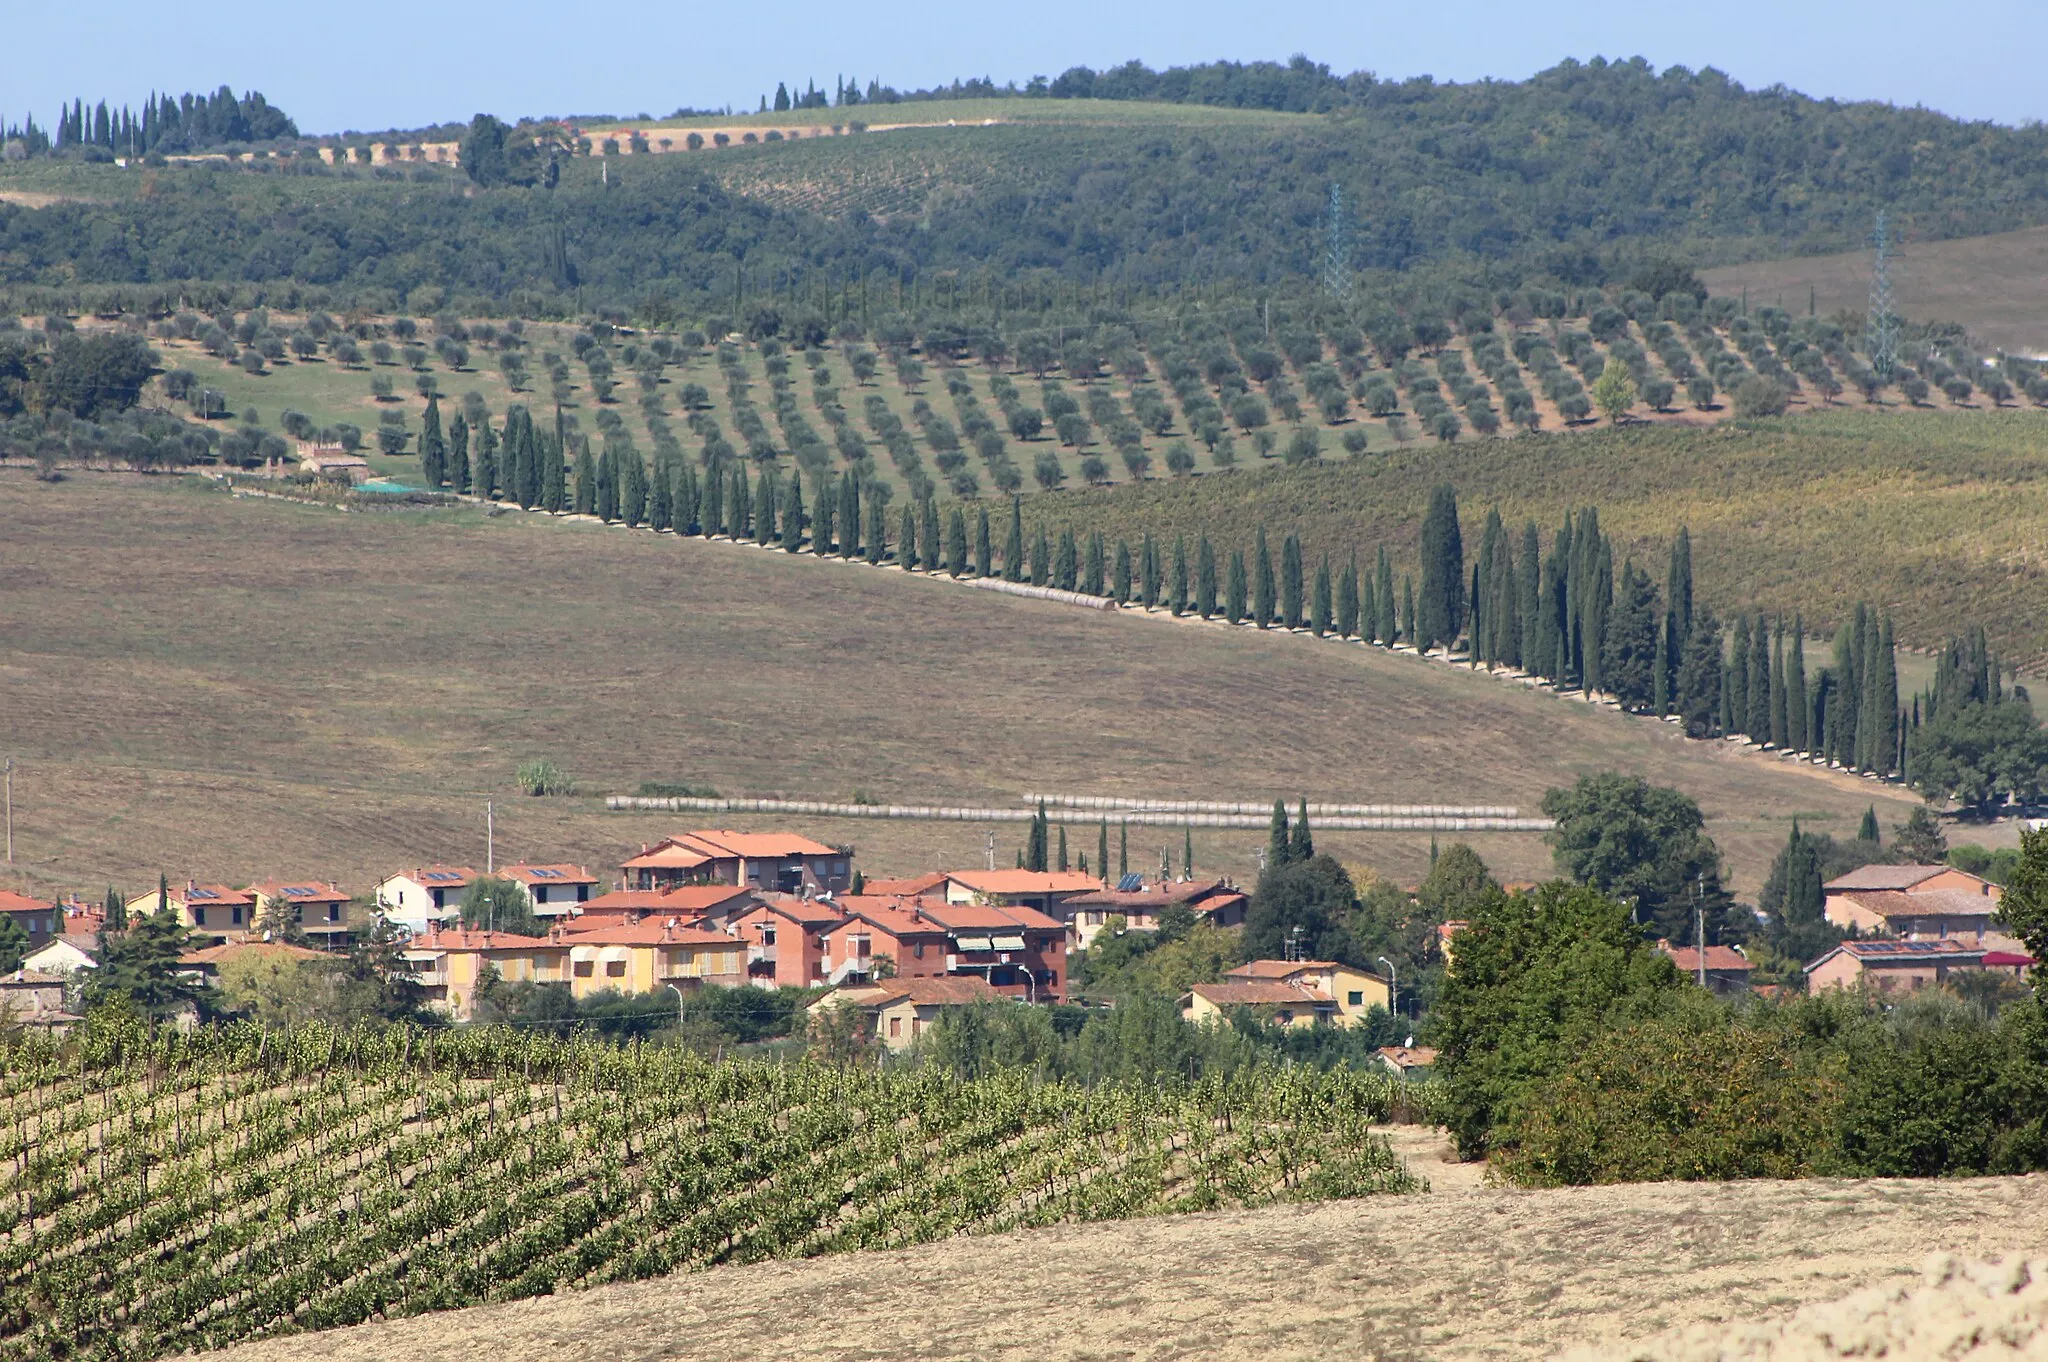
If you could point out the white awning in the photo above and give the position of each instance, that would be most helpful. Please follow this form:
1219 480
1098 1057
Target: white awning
611 953
582 953
975 943
1009 943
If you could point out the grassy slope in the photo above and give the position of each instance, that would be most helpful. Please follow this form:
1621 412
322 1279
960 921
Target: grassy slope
1995 285
1938 517
233 689
1484 1274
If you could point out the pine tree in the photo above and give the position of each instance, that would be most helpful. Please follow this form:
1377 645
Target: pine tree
1262 583
1386 628
1234 589
586 480
1442 601
1759 721
1319 604
1148 572
1291 598
956 542
1205 579
1013 547
1041 559
1796 701
906 538
1347 599
984 548
1120 574
1177 589
433 448
1092 565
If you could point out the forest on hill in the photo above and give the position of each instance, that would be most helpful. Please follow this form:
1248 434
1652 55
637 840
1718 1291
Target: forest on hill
1571 179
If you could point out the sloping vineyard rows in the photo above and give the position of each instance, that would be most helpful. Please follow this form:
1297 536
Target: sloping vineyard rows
163 1194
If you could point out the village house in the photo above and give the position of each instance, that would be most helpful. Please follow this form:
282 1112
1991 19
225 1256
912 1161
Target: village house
884 935
1727 968
40 918
449 963
424 896
1016 949
1216 902
1916 903
1277 1003
785 941
319 910
899 1011
781 862
1355 992
31 998
204 964
66 954
2015 964
1409 1062
1042 891
1891 966
555 891
651 954
211 912
708 906
332 461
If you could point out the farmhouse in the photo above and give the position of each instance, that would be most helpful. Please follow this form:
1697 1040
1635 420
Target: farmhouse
65 954
1727 968
31 998
1280 1004
419 898
555 891
1355 992
320 910
779 861
1915 903
900 1010
1891 966
1217 902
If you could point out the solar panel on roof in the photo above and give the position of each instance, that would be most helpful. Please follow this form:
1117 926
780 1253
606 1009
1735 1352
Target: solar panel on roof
438 875
201 894
543 873
1131 883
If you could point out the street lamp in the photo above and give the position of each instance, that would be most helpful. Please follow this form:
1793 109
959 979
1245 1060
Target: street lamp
679 1005
1393 987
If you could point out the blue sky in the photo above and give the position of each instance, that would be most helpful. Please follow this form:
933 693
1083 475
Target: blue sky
379 63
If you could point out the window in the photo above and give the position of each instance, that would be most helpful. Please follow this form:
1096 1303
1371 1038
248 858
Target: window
767 935
437 897
1286 1017
895 1027
582 893
334 912
582 969
918 950
1357 998
198 917
614 969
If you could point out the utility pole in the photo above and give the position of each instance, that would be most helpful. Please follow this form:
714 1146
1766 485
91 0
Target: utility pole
10 811
1699 925
991 849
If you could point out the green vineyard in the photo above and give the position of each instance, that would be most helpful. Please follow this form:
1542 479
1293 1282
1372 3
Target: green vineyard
166 1193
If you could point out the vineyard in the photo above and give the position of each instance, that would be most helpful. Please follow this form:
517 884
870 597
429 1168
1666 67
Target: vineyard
168 1193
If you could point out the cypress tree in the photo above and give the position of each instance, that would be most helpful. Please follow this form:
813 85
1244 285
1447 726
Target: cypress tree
1368 607
1091 566
1177 590
458 453
1013 547
1262 583
632 486
1041 559
712 507
660 506
554 491
1102 849
906 538
876 523
1736 712
984 547
1661 698
1187 851
1063 849
1529 584
928 534
1841 714
1034 846
1205 579
1867 831
1123 849
608 487
1347 598
484 479
1386 628
1879 719
849 515
1408 610
586 479
1699 688
686 497
1629 664
1596 605
1234 590
825 496
956 545
1148 572
1442 601
1301 846
1678 586
433 448
1319 605
1482 602
531 465
1066 567
793 513
1279 842
1781 719
767 500
1291 598
1760 682
1796 702
1120 574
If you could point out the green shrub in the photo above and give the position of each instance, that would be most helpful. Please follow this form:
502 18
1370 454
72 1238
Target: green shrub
543 777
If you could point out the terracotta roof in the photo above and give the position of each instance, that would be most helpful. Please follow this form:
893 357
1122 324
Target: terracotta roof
208 896
1884 952
911 888
301 891
11 902
1720 959
651 932
937 992
810 912
1927 903
1280 969
986 917
754 845
469 939
1884 877
1257 993
1157 895
620 901
897 917
666 855
1025 881
435 876
702 898
213 955
31 978
1408 1057
561 873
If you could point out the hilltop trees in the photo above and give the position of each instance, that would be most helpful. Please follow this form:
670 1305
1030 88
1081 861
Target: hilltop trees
1643 844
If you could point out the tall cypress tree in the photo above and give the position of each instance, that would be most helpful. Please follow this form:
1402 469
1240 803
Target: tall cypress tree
586 480
1279 841
607 487
906 539
956 542
1148 572
1066 566
1092 566
1102 849
1368 607
1347 597
1041 559
1386 628
1205 579
1177 584
928 533
1484 637
849 515
458 453
687 495
1319 603
793 513
1736 714
1843 682
711 509
1120 575
1797 705
1234 589
1064 864
484 480
1760 682
1013 547
1529 583
984 548
875 523
1442 600
1408 611
632 486
1262 582
1781 718
1301 846
739 506
1123 849
433 447
1290 583
660 490
767 502
1699 688
553 483
1678 586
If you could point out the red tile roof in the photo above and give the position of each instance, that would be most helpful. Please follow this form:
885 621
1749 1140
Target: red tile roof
650 933
213 955
1927 903
1258 993
911 888
896 917
208 896
952 991
809 912
11 902
301 891
986 917
466 939
1720 959
667 854
1901 952
533 873
1280 969
702 898
1190 892
765 846
1884 877
1025 881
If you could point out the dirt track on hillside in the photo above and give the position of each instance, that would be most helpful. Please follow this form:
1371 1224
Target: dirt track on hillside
1464 1271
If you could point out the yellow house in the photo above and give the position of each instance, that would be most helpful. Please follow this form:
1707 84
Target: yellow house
901 1010
1355 992
1281 1004
642 957
449 965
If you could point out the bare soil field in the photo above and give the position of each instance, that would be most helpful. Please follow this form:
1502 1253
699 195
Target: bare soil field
232 689
1474 1272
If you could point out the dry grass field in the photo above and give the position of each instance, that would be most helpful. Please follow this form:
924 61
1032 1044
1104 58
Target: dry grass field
232 688
1459 1272
1996 285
